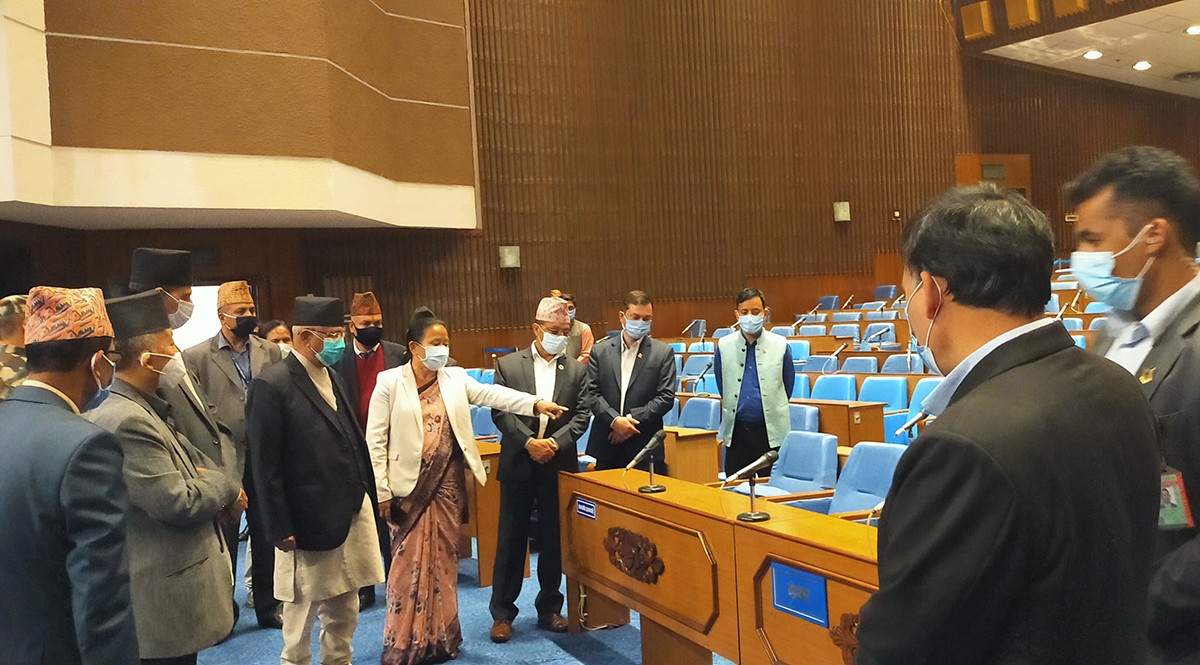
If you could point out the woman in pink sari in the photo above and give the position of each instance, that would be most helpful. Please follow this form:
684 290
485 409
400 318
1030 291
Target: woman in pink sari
421 440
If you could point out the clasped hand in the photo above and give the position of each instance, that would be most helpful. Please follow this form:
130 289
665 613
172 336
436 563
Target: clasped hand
623 428
541 450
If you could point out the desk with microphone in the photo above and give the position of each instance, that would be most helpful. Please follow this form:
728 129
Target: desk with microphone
655 441
749 473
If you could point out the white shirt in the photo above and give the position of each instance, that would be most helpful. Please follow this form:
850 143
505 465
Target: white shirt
543 382
629 356
320 378
1132 340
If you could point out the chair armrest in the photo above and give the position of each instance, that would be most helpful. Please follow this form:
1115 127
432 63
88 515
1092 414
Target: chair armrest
757 481
822 494
855 515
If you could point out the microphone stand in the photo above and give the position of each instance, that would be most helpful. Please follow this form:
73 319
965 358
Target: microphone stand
652 487
752 515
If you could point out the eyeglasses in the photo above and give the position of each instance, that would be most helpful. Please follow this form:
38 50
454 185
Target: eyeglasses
335 336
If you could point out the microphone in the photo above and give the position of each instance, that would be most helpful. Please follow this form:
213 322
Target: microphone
878 333
687 328
848 301
655 441
803 318
700 379
1073 301
768 458
897 301
911 423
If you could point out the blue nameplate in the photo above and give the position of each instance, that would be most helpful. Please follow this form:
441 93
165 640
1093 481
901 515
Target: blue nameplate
585 508
799 593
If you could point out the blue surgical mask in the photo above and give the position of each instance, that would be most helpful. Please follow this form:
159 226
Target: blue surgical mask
751 324
104 391
436 357
181 315
925 352
1093 270
571 314
636 329
553 344
331 351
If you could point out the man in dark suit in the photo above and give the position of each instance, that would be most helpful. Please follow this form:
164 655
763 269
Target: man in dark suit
317 485
631 386
533 450
359 371
224 367
64 576
1143 204
1019 527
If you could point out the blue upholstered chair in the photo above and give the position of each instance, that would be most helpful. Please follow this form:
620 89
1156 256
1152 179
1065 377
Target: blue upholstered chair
807 463
863 483
835 387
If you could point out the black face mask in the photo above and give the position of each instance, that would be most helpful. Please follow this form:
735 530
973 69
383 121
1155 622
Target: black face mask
245 326
369 337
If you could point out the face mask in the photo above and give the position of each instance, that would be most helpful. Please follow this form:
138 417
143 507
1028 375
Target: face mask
436 357
751 324
104 391
571 312
1094 272
636 329
284 348
182 315
553 344
331 351
369 337
171 374
245 325
924 351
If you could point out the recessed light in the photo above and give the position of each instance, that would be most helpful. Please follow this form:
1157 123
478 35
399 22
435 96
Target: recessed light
1093 55
1141 65
1193 30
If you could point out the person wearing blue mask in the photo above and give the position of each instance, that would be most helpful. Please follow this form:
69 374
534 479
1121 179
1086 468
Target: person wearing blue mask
581 340
1138 221
310 461
755 376
631 383
1034 494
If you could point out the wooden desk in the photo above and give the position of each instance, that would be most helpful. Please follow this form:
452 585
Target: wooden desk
483 515
692 454
850 422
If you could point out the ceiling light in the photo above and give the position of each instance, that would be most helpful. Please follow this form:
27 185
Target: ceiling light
1093 55
1193 30
1141 65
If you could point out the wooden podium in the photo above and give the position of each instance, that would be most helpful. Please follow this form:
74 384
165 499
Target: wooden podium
692 454
783 591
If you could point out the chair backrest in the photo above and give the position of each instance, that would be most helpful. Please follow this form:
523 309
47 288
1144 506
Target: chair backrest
807 462
695 364
886 292
1080 341
889 334
1072 323
835 386
866 476
903 363
1052 304
1064 286
846 317
821 364
860 365
678 365
810 331
874 305
1098 323
1096 307
920 392
804 417
800 349
679 347
481 422
829 302
670 418
488 376
786 331
892 390
721 332
701 413
700 347
844 330
709 385
800 389
888 315
474 373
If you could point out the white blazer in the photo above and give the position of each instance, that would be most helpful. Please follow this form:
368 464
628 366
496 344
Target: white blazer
396 431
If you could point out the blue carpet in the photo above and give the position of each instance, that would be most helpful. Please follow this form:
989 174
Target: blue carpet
251 645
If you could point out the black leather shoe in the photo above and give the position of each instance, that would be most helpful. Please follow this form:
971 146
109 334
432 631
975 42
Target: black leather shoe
554 623
366 597
272 618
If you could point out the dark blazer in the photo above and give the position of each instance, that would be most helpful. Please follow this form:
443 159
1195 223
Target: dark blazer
310 463
64 575
219 378
1019 528
1172 371
570 390
650 396
394 355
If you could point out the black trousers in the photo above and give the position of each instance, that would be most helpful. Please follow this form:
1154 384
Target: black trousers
262 552
517 500
747 443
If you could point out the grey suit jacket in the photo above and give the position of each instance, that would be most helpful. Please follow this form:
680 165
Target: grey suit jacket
178 569
1170 378
64 578
219 378
194 417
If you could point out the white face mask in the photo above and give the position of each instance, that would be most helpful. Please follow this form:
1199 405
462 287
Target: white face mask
284 347
172 374
553 344
925 352
436 357
181 315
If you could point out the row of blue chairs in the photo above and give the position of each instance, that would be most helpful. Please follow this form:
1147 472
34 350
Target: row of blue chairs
1094 307
1075 324
482 375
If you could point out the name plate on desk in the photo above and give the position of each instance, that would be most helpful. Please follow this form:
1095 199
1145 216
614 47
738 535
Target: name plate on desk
799 593
585 508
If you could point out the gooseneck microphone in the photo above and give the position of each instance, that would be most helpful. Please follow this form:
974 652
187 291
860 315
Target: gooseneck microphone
768 458
655 441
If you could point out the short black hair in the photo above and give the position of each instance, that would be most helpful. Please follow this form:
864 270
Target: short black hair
132 348
568 297
63 355
267 327
635 298
1157 178
992 247
750 294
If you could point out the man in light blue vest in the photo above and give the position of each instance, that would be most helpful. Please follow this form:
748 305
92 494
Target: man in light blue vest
755 381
